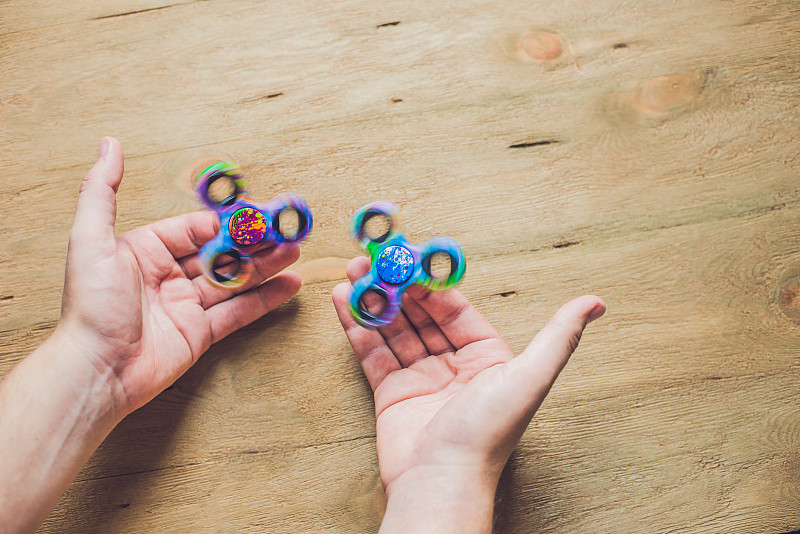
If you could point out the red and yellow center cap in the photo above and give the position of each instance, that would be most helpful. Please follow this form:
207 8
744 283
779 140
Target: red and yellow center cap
247 226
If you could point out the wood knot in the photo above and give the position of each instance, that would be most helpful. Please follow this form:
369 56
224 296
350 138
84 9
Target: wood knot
670 94
789 299
542 46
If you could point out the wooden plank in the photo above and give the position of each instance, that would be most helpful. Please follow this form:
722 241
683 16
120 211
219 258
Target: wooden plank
41 14
661 432
246 493
643 151
352 71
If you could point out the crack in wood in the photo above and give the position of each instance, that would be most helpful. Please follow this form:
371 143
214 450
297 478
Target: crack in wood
144 471
387 24
565 244
261 97
335 442
217 460
136 12
536 143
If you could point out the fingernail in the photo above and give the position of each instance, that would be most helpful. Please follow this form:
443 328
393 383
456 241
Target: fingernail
103 147
596 313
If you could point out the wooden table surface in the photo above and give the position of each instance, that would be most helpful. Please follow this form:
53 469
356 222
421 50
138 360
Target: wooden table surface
644 151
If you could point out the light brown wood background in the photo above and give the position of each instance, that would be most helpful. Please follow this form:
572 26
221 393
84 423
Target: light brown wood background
644 151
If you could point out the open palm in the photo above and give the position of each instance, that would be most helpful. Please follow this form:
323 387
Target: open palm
139 304
448 389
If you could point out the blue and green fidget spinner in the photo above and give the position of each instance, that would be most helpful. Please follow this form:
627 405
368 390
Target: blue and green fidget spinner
244 225
396 265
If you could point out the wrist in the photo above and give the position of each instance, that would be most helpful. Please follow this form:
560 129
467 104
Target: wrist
441 499
55 409
79 366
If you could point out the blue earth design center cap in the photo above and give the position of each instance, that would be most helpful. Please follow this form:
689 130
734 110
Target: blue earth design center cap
395 264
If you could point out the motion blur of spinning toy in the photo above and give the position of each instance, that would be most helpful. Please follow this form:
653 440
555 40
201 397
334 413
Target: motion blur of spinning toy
396 265
244 225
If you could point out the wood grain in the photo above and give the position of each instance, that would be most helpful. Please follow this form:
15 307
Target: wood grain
643 151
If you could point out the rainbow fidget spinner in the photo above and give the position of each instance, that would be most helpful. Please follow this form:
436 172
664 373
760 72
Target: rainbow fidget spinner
397 264
244 225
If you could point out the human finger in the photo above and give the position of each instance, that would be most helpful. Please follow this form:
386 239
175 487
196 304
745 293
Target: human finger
376 358
400 335
529 377
265 266
191 264
234 313
185 234
96 211
427 329
502 400
455 316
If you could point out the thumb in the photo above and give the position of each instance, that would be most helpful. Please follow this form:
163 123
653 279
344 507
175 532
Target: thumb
96 211
529 376
503 406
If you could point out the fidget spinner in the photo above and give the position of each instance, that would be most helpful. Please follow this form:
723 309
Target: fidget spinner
244 225
397 264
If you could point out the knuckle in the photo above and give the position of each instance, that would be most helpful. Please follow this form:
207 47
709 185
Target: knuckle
86 183
425 323
575 339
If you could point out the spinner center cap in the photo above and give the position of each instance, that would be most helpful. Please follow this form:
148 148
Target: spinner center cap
395 264
247 226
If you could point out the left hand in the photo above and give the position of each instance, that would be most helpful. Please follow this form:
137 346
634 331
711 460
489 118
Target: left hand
137 306
452 400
